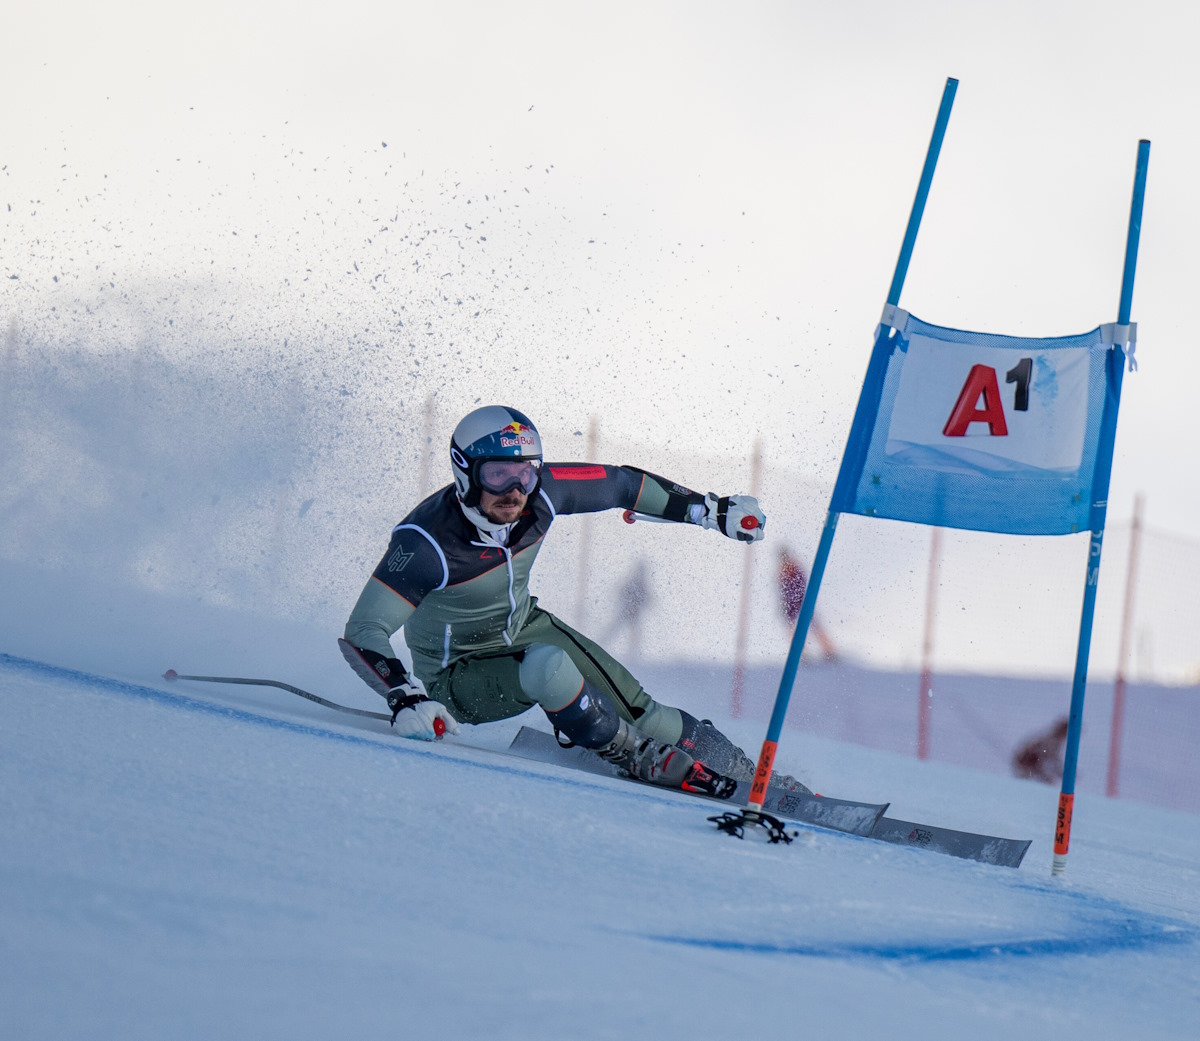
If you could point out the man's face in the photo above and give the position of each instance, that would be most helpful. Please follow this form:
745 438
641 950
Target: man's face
504 508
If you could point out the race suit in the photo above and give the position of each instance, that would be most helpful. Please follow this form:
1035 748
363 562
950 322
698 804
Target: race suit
462 597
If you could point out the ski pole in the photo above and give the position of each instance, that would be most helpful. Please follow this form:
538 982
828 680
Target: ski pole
171 674
632 517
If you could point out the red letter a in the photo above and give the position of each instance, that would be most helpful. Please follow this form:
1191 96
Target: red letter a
980 380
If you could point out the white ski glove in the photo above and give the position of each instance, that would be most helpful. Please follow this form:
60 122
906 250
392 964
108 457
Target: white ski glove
738 516
416 717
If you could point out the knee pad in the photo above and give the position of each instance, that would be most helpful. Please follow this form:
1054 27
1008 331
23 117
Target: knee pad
589 720
549 677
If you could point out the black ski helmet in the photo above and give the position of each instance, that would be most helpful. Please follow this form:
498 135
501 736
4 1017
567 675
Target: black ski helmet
491 432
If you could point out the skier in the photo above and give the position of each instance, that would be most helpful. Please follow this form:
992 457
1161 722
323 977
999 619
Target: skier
631 606
1041 757
455 577
793 584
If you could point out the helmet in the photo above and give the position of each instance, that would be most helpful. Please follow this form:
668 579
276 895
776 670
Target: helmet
495 433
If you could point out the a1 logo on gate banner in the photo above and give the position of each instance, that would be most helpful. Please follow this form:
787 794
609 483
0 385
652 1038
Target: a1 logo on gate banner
992 409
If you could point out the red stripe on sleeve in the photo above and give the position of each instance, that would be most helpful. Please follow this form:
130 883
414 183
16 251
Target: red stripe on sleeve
578 473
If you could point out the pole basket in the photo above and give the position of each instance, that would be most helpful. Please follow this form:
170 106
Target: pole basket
735 824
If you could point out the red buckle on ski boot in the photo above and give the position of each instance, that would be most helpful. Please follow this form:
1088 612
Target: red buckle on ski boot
703 780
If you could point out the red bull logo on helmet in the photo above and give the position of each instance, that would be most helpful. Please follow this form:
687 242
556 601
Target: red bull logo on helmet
516 435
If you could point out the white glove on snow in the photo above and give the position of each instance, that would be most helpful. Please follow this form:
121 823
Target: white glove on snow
738 516
416 717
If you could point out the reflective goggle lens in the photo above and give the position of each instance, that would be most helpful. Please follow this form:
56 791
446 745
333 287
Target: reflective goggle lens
500 475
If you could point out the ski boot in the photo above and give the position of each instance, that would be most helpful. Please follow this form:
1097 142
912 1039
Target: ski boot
588 717
704 741
658 762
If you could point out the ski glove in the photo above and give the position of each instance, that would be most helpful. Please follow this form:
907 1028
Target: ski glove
738 516
415 716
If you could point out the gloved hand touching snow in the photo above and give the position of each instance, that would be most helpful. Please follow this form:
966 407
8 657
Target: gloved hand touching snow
738 516
415 716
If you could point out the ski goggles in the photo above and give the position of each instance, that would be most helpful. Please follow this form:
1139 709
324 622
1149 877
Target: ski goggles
501 475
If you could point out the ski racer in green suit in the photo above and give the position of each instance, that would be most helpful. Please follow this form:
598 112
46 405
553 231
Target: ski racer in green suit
455 577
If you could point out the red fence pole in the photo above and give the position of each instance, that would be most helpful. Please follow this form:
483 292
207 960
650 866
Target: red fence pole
925 695
738 697
585 533
1118 716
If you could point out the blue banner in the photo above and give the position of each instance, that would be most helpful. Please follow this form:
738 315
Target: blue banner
978 431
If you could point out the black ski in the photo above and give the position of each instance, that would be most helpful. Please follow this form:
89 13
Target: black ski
857 818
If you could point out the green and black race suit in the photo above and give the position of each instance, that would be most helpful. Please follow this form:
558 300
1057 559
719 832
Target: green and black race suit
458 593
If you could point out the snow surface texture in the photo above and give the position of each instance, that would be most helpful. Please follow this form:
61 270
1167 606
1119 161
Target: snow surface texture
201 862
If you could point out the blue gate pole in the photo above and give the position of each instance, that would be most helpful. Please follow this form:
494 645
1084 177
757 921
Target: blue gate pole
1108 433
860 438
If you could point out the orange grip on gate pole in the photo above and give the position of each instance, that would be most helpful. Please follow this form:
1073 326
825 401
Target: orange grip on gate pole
762 775
1062 828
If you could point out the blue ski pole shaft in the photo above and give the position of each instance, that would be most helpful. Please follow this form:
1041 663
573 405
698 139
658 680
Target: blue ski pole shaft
860 437
1100 485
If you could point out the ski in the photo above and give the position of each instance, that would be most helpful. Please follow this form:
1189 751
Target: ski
987 849
855 818
864 819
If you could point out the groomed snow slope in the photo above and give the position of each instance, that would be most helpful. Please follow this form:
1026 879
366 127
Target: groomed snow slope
202 862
